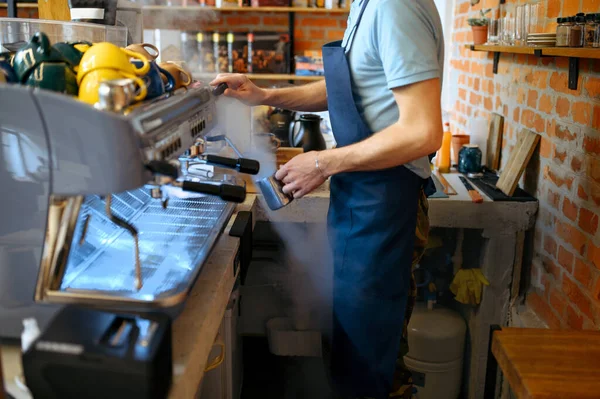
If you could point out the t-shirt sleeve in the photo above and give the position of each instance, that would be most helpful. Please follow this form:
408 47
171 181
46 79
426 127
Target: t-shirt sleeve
406 43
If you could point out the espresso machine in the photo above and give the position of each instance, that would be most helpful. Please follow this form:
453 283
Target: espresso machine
110 211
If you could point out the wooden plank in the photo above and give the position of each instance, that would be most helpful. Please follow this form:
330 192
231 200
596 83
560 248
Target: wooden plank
448 189
494 142
1 378
577 52
305 10
20 5
572 52
57 10
549 363
519 157
503 49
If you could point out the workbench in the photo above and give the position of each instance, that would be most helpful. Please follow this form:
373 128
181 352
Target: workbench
502 223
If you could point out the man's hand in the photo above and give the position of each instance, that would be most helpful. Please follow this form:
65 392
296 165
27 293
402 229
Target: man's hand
241 88
300 175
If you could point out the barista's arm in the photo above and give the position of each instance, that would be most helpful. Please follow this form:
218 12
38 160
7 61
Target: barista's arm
308 98
417 133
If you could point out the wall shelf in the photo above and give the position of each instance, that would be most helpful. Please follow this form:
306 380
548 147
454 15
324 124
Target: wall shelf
20 5
573 53
197 8
265 76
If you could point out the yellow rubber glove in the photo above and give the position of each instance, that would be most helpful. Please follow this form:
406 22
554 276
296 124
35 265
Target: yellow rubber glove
467 286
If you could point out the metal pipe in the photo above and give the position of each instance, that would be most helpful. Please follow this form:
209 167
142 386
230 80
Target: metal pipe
133 231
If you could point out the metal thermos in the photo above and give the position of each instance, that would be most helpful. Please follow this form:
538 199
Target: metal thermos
272 191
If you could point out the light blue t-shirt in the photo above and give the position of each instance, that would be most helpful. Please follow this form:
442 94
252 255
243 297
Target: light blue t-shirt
397 43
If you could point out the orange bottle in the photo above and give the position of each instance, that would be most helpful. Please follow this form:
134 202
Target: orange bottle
444 152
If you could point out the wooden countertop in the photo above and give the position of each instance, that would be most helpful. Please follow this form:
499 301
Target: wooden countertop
457 211
549 364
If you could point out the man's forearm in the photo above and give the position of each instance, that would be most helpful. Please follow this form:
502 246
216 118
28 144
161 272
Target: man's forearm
393 146
307 98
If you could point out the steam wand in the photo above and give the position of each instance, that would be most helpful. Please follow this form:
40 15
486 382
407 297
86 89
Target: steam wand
133 231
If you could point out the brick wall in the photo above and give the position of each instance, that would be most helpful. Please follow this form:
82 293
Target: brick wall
312 30
21 13
564 175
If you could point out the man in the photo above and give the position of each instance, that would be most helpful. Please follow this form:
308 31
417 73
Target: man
382 89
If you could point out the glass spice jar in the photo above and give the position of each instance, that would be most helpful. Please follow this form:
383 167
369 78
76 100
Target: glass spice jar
590 30
563 32
597 35
577 32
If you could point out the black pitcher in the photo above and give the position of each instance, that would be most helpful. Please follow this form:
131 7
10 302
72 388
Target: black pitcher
306 133
280 121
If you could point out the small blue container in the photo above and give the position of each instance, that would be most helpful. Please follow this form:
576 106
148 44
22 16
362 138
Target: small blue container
469 159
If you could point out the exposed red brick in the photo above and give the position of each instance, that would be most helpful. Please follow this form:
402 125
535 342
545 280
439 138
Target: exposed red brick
559 178
594 255
592 165
591 145
554 199
316 34
588 221
545 148
550 245
577 297
583 273
574 320
554 8
277 21
546 104
582 112
592 85
552 268
571 235
538 79
559 156
576 163
532 99
557 301
563 107
559 81
570 209
474 99
566 132
543 310
565 259
517 114
596 290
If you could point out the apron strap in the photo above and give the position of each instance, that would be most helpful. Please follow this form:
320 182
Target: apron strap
346 46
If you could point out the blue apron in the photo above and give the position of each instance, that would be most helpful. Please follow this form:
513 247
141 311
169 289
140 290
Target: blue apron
371 227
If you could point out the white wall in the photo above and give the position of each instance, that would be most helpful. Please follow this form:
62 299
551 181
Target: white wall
445 8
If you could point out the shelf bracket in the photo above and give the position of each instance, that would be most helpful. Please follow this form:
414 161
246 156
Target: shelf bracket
12 8
496 61
573 72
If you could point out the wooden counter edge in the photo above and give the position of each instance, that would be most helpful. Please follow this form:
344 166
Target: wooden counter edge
505 366
195 330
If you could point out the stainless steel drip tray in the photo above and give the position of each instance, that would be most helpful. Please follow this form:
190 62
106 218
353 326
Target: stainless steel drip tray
174 243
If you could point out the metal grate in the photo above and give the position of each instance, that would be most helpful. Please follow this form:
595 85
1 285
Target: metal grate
174 242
